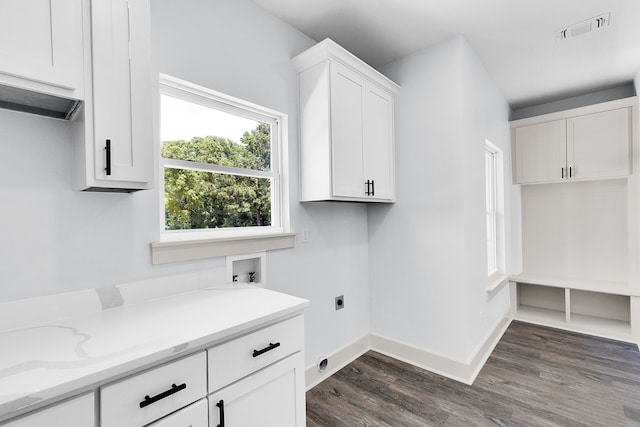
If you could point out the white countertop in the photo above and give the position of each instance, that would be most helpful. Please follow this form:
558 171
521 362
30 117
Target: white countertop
46 361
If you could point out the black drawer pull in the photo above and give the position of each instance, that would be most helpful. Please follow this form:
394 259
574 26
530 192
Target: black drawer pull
174 389
107 148
221 406
271 346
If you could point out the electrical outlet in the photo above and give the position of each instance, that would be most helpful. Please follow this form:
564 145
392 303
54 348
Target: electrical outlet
340 302
304 237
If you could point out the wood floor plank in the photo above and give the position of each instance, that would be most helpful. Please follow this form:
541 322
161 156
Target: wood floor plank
536 376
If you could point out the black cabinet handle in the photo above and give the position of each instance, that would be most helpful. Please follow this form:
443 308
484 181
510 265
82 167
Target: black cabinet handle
570 171
367 192
562 173
373 187
221 406
174 389
270 347
107 148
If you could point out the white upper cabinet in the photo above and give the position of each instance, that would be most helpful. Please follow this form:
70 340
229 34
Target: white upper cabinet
41 56
593 142
599 144
346 127
114 146
541 153
41 45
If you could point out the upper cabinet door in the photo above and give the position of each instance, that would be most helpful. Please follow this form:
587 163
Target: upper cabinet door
41 46
541 154
378 142
599 144
347 95
122 89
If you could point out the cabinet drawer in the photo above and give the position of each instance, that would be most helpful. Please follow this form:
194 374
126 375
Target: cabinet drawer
125 403
195 415
78 412
235 359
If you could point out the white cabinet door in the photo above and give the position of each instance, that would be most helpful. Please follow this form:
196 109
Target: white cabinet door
195 415
78 412
347 95
41 45
378 142
541 154
599 144
272 397
122 92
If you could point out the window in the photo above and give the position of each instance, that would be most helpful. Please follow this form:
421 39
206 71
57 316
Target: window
492 210
220 165
494 190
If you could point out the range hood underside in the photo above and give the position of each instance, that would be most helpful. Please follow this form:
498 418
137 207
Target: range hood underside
18 99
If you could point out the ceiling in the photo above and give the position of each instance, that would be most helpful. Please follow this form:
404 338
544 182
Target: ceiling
515 39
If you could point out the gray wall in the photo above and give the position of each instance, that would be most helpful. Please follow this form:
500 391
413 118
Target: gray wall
427 253
618 92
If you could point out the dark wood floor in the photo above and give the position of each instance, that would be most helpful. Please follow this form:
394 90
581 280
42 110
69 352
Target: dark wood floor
535 377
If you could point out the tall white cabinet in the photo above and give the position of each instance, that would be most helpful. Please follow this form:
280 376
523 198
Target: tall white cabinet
346 129
113 145
580 220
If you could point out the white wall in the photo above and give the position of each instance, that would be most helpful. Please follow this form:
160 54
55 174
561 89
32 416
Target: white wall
618 92
427 253
55 240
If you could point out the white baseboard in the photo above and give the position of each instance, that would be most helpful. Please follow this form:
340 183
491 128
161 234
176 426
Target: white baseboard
337 361
462 371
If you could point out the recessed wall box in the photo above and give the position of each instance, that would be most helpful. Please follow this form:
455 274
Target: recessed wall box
248 268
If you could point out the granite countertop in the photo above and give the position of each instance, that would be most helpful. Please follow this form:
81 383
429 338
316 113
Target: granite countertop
43 362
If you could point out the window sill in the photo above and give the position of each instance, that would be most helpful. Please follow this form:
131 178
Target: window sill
496 283
188 250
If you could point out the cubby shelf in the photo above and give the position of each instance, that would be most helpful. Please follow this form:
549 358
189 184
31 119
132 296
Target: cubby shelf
604 309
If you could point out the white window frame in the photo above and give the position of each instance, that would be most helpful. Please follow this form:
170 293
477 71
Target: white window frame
219 237
495 212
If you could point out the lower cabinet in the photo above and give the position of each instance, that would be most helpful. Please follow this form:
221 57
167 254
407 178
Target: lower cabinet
195 415
77 412
255 378
272 397
258 379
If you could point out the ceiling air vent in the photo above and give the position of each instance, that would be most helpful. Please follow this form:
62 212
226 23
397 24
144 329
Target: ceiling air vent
596 23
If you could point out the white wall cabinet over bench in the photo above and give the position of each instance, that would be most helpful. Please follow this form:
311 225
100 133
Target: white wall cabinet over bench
593 142
579 222
346 115
251 373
